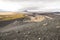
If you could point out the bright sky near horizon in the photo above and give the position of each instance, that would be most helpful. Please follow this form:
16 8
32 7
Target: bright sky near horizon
42 5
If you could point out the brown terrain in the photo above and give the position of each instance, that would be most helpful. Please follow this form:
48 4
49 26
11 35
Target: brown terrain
38 27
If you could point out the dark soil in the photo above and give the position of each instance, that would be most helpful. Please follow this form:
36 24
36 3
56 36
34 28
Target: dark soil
33 30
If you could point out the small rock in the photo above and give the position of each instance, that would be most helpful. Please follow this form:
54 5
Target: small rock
39 38
45 24
57 26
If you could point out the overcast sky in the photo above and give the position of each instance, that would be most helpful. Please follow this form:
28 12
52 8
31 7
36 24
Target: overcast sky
42 5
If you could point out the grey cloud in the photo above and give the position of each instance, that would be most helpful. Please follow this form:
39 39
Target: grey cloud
29 0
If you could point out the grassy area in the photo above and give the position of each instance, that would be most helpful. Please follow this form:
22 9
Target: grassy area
11 17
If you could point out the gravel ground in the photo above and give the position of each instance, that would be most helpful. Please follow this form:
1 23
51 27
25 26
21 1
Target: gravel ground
45 30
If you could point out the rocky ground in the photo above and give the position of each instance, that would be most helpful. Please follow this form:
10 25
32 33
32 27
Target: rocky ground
49 29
